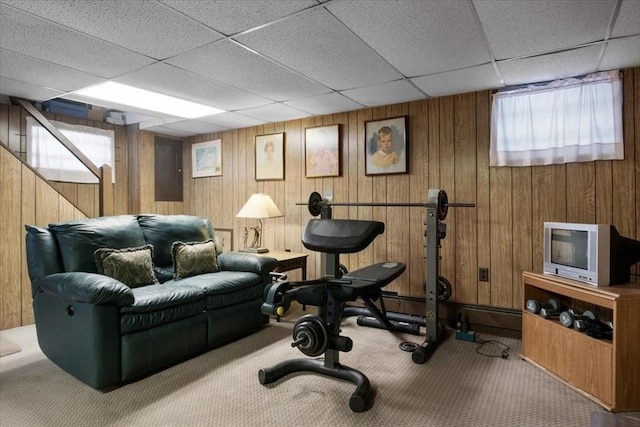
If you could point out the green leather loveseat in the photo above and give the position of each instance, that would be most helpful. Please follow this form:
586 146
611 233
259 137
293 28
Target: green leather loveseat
181 294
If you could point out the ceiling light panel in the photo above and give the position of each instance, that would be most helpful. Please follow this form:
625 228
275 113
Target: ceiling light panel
147 100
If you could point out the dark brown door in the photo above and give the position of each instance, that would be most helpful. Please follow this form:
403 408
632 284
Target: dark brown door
168 169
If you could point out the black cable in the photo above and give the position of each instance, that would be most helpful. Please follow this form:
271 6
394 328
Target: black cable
504 351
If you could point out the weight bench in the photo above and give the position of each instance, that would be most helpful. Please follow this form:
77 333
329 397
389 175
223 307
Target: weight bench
319 334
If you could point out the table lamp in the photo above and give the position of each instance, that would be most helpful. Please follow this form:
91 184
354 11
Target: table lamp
258 206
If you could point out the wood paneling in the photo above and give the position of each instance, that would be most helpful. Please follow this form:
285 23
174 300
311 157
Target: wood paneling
448 149
25 198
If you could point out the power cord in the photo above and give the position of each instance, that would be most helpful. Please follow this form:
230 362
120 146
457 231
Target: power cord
504 349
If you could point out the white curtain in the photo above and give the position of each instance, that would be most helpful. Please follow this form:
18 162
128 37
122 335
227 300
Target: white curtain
51 159
569 120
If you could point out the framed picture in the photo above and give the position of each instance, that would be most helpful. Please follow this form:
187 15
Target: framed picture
206 159
386 146
225 237
270 156
322 151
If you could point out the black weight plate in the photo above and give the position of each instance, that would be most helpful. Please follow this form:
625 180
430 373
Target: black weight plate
443 205
444 289
314 203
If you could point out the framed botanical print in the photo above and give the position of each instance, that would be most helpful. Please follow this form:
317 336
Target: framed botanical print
386 147
270 156
206 159
322 151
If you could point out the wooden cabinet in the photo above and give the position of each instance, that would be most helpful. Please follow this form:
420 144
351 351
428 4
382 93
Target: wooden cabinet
608 371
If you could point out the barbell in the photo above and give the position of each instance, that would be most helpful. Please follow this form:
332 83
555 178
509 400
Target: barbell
442 204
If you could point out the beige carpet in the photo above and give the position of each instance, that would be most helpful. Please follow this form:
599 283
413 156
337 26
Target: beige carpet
7 347
457 387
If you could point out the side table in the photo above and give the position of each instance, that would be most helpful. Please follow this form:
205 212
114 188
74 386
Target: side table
289 261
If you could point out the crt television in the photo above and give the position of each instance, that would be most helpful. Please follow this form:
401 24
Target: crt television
595 254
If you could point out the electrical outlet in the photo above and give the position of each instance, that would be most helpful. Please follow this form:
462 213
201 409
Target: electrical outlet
483 274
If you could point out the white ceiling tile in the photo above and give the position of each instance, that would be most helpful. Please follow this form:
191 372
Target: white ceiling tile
236 66
194 126
324 104
550 67
42 39
145 27
417 37
628 20
186 85
621 53
26 90
274 113
233 120
317 45
459 81
166 130
20 67
231 17
385 93
520 28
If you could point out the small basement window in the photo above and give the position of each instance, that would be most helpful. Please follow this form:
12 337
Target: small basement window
569 120
52 159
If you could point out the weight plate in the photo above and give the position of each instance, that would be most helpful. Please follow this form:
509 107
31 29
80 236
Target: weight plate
444 289
443 205
314 204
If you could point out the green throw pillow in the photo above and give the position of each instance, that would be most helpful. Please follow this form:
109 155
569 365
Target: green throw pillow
190 259
131 266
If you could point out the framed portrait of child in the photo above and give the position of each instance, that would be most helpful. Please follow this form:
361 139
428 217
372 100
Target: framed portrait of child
386 146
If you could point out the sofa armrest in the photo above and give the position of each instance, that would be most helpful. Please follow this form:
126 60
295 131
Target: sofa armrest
241 261
90 288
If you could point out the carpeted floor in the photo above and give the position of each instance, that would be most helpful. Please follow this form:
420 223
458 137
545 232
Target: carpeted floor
8 347
457 387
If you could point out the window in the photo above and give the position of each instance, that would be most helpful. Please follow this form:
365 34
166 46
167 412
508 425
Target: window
569 120
53 161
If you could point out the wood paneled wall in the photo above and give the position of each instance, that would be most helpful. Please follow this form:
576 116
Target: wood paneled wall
25 198
448 149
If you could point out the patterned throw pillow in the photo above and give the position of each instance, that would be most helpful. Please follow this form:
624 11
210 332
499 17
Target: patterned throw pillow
131 266
193 258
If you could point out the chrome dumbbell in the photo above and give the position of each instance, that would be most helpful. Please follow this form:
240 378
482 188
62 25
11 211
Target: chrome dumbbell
579 321
546 310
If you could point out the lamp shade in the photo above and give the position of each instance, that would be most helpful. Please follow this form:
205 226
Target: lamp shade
259 205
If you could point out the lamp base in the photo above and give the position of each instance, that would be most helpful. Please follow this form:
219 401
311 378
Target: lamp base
254 250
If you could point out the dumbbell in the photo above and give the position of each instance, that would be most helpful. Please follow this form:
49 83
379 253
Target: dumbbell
569 318
546 310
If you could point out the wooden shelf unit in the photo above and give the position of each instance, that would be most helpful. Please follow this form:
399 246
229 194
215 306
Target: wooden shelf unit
607 371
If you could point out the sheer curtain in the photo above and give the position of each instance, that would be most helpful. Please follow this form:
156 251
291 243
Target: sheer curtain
51 159
569 120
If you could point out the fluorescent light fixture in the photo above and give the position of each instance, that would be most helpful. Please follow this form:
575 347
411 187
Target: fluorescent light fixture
147 100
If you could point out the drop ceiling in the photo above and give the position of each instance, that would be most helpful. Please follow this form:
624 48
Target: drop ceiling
271 61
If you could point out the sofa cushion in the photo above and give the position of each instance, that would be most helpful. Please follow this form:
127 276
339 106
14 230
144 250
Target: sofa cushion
193 258
78 240
131 266
224 288
163 273
163 230
160 304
